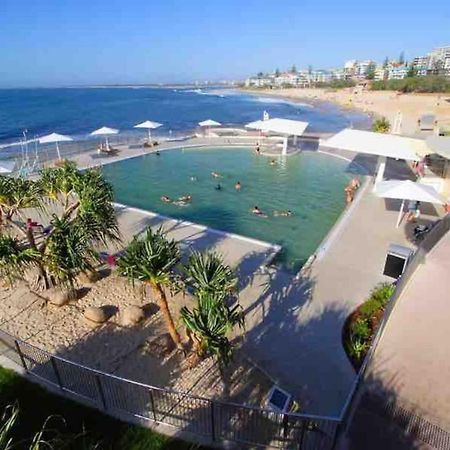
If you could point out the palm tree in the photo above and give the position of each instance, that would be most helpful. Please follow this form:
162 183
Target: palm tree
84 218
206 272
15 258
151 260
210 322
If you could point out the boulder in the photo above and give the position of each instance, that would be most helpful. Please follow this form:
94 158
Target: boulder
60 297
132 315
88 277
95 314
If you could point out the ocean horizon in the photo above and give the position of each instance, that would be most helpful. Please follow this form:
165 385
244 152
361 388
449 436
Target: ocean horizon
76 111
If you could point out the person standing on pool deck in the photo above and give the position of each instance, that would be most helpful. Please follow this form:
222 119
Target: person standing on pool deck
237 186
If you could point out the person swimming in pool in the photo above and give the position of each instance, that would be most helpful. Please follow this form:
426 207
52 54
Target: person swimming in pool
237 186
216 175
185 199
273 162
194 178
286 213
218 187
166 199
257 212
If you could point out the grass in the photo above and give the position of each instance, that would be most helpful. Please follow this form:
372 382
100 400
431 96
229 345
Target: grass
71 425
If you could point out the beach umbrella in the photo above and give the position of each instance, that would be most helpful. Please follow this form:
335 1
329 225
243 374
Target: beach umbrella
54 138
209 123
408 190
105 131
148 125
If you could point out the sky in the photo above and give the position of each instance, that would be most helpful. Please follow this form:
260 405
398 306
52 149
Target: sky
76 42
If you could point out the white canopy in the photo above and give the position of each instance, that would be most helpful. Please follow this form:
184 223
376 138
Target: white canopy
209 123
387 145
148 124
104 131
439 145
54 137
283 126
408 190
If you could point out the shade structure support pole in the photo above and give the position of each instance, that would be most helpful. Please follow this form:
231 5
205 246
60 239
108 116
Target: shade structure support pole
295 140
381 168
57 151
149 136
285 145
400 214
106 141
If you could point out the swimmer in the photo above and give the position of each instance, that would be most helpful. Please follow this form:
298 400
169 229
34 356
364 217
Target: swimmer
166 199
218 187
194 179
257 149
237 186
257 212
157 153
287 213
355 184
216 175
185 199
273 162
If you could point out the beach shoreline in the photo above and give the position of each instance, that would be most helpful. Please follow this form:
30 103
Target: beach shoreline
374 103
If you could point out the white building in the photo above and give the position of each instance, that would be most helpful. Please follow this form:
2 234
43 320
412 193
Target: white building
381 73
397 72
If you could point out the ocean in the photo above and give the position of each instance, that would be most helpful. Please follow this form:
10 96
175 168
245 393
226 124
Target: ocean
78 111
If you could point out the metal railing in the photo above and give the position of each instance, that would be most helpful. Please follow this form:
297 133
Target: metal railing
211 420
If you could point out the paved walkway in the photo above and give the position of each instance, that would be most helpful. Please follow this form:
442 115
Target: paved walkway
294 326
407 392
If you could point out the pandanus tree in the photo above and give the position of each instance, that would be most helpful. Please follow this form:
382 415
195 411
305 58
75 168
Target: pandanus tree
78 213
212 319
151 260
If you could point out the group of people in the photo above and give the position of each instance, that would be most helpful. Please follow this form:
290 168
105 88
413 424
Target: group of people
350 190
257 212
182 201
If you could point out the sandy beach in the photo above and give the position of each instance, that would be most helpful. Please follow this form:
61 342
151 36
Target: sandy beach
379 103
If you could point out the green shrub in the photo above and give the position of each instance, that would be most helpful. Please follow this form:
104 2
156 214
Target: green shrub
381 125
382 293
360 329
431 83
357 348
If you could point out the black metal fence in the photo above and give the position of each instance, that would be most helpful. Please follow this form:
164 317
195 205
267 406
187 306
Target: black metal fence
212 420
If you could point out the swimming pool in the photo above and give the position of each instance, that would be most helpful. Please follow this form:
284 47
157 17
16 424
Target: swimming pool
309 184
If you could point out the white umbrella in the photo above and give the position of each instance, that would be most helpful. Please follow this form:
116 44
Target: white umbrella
408 190
105 131
209 123
54 137
149 125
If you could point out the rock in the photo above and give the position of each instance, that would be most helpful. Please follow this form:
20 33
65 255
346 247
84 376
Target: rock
95 314
60 297
132 315
88 277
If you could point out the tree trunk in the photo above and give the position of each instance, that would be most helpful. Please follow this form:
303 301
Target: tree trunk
162 300
43 281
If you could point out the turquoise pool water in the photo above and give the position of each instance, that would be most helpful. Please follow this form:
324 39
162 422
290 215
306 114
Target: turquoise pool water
309 184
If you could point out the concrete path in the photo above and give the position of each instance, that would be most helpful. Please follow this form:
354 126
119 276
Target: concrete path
294 326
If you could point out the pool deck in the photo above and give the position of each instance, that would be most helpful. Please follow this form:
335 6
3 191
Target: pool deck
294 324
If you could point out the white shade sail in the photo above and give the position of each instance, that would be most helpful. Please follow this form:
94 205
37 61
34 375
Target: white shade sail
148 124
282 126
439 145
209 123
387 145
408 190
54 137
104 131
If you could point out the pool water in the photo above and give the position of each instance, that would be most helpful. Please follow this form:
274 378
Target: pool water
309 184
